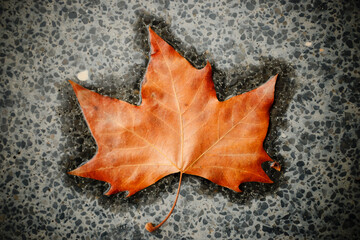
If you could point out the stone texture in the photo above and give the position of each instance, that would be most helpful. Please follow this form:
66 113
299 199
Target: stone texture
314 133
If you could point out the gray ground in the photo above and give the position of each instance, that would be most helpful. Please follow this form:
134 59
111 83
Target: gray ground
314 133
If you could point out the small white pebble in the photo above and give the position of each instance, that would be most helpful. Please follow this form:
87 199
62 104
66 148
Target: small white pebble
308 44
83 76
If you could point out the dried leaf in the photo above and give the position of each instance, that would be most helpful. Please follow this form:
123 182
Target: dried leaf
180 126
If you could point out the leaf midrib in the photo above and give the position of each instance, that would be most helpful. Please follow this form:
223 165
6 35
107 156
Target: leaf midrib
178 106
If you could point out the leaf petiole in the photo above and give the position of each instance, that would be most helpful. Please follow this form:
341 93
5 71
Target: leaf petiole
149 226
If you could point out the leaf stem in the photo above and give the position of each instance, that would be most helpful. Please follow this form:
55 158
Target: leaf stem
149 225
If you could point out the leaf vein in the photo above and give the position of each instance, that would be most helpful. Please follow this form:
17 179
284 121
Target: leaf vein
253 109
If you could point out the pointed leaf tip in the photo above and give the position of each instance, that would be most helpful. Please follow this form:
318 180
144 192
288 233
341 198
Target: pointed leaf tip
208 65
276 166
236 189
151 31
110 191
74 172
270 83
73 84
274 78
76 86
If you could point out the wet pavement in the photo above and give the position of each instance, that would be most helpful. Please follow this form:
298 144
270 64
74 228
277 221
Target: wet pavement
314 126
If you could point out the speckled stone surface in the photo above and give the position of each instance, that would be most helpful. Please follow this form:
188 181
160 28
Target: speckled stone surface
314 133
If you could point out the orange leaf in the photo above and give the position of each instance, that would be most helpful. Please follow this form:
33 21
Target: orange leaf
180 126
